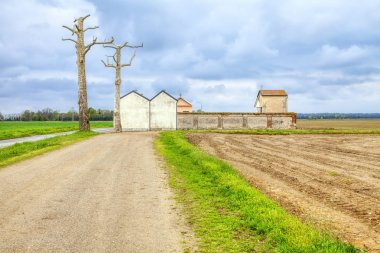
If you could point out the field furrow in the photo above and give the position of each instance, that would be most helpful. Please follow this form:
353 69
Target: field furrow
329 180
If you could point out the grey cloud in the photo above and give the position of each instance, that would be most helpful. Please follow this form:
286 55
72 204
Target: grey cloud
174 86
219 88
293 45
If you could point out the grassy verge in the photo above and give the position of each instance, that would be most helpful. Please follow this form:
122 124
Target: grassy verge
11 130
293 131
26 150
227 214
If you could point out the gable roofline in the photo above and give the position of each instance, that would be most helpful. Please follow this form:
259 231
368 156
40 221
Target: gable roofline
256 102
163 91
269 93
257 98
272 93
184 100
134 91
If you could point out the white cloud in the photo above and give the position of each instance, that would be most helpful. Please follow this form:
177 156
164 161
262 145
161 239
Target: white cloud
36 25
228 49
330 55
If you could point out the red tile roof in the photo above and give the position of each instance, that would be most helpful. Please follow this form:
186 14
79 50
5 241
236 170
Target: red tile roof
273 92
183 101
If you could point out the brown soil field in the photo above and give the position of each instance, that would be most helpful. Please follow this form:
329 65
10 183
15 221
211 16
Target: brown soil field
329 181
373 124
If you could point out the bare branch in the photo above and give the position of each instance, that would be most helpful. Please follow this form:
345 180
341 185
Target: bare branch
108 65
125 45
94 42
89 28
113 57
69 39
112 46
70 29
86 16
130 61
75 20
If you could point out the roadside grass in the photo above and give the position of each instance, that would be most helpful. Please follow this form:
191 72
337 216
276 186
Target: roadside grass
291 131
227 213
26 150
12 129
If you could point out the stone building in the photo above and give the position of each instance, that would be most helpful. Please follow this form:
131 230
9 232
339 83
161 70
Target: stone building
184 106
272 101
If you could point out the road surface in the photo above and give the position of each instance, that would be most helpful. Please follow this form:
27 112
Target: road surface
105 194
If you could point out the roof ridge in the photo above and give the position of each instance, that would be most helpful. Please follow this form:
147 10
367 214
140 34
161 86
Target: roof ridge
185 100
163 91
135 91
272 93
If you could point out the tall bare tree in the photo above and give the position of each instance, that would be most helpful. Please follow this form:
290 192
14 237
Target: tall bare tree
117 66
81 50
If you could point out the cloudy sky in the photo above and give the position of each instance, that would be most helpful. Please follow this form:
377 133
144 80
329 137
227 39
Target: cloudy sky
217 54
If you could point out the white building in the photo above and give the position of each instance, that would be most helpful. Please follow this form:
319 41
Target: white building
134 112
163 112
138 113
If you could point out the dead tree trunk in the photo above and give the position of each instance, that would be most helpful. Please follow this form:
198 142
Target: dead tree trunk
81 51
117 59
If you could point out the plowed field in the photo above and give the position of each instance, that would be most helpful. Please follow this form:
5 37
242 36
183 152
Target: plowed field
331 181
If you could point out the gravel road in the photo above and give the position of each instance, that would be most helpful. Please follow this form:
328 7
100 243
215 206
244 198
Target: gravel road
105 194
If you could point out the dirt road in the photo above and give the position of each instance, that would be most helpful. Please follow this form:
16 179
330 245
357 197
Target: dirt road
329 180
106 194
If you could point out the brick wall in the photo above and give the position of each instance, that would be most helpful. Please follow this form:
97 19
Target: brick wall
236 120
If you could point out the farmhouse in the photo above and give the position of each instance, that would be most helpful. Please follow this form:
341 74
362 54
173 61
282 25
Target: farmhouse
164 112
184 106
272 101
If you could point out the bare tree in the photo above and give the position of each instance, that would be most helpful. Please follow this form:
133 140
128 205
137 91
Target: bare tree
82 50
117 66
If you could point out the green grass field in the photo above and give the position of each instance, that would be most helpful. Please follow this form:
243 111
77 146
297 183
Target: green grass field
26 150
227 213
10 130
358 124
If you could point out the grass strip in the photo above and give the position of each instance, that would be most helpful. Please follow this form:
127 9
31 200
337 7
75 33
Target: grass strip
26 150
228 214
291 131
11 129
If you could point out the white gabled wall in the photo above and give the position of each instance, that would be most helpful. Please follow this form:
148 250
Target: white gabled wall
163 112
134 112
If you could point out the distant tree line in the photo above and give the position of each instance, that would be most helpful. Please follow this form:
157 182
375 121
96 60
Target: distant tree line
338 115
49 114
